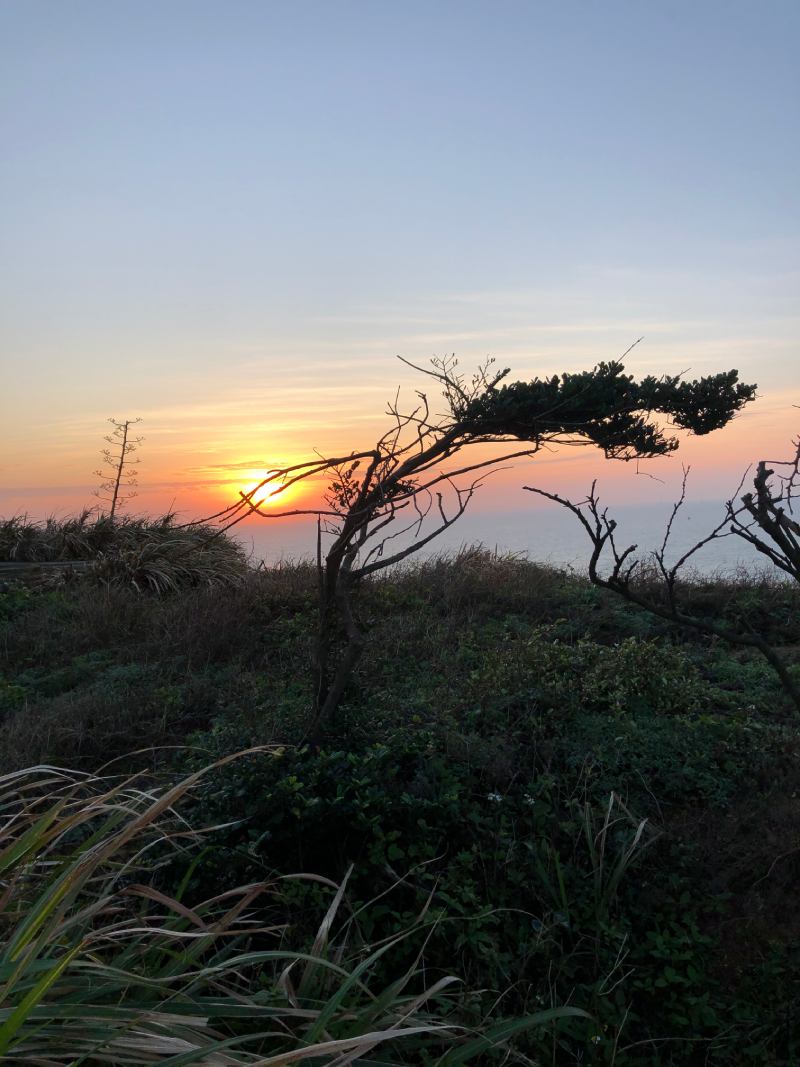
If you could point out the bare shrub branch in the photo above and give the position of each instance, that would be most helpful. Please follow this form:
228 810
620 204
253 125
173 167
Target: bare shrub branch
760 518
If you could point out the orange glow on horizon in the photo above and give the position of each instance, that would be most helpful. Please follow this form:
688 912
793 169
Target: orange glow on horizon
195 480
718 460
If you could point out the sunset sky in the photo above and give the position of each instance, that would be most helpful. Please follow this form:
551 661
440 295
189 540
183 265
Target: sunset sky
228 218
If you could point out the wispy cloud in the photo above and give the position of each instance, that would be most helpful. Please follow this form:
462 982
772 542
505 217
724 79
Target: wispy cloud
245 464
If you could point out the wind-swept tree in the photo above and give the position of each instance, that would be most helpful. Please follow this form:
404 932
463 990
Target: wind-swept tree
418 479
118 480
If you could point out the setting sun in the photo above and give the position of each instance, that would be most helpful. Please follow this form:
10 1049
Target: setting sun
270 496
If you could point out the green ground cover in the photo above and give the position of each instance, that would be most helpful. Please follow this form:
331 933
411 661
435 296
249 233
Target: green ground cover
562 800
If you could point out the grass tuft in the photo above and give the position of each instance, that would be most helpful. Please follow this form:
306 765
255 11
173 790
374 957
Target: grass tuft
149 555
100 963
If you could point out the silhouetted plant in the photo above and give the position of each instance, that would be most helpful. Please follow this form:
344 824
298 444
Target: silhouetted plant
118 483
763 518
414 465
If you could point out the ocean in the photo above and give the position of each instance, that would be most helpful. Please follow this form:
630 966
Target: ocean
544 533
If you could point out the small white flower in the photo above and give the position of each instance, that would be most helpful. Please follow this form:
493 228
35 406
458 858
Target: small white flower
529 800
494 797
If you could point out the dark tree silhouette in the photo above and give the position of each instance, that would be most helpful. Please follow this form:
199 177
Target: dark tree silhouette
764 518
414 481
118 481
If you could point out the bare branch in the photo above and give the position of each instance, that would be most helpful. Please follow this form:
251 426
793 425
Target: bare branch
783 549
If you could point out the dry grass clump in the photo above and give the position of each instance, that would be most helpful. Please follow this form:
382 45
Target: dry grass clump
478 578
151 555
22 540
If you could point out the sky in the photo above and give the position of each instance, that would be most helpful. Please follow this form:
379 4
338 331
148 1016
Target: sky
229 218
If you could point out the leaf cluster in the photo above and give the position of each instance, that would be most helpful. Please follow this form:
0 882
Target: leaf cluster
606 407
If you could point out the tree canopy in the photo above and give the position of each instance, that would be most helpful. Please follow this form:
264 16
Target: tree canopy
607 407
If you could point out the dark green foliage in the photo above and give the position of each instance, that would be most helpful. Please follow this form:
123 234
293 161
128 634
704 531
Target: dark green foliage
490 770
506 834
92 673
607 407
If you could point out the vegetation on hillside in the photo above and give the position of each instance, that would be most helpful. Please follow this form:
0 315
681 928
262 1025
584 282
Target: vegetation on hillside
566 800
98 965
764 518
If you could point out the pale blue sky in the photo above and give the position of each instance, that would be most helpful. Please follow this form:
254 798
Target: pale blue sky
205 202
